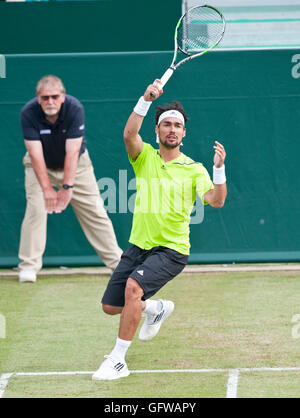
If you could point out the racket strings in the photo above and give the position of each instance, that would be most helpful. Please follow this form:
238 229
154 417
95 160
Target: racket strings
201 28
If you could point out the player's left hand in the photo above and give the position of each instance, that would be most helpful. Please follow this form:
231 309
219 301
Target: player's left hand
220 154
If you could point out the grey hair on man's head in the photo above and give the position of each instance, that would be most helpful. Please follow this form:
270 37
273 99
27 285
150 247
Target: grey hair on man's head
51 80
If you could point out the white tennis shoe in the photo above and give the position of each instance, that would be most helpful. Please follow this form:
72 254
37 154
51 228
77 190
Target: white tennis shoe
27 276
111 369
153 323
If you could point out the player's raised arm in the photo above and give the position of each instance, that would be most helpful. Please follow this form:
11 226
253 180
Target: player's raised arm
133 141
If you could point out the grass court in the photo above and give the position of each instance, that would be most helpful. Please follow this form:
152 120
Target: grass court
231 335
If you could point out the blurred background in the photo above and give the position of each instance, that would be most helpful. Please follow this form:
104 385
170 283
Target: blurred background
245 94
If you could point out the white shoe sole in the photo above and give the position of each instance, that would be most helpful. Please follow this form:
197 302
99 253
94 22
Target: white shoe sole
124 374
27 280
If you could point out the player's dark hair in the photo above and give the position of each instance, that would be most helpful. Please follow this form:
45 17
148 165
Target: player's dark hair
171 106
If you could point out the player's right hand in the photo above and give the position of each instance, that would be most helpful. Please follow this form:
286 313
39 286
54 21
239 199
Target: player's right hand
153 91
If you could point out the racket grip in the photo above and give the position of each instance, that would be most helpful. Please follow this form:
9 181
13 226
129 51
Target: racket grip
167 75
164 79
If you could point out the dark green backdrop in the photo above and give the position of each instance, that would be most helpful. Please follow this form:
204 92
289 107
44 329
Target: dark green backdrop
248 100
95 26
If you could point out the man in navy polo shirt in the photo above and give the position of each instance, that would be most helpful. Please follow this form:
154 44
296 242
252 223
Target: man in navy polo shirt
57 158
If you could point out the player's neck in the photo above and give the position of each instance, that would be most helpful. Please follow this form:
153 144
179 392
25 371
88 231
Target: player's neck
169 154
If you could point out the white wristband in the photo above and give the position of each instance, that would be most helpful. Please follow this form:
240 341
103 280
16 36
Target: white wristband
142 107
219 175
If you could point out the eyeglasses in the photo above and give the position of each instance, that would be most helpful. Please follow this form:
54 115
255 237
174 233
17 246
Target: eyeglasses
53 96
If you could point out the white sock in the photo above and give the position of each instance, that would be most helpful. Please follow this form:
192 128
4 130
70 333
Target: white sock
153 307
120 349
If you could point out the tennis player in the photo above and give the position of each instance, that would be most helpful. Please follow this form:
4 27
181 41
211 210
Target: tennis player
167 184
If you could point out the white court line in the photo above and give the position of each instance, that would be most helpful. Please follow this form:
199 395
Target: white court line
232 383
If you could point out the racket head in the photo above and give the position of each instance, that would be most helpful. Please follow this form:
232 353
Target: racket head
200 29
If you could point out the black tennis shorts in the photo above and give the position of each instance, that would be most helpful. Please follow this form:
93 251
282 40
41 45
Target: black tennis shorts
152 269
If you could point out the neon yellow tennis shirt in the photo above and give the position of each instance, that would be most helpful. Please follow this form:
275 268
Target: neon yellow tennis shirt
166 193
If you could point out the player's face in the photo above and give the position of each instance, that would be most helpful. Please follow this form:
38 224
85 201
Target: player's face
51 99
170 132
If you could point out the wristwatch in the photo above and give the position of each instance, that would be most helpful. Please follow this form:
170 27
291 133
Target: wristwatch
67 186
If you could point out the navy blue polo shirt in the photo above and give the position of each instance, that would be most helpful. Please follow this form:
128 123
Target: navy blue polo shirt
53 136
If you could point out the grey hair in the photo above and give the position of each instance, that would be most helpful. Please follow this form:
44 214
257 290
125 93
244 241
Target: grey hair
50 80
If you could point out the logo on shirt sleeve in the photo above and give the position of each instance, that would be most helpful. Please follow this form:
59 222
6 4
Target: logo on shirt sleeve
81 127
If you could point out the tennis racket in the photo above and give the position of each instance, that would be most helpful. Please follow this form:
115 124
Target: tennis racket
199 30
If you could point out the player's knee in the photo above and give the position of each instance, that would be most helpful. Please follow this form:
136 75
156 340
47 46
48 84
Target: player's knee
133 290
111 310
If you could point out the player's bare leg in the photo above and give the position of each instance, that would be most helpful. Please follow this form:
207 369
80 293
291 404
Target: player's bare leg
132 311
115 367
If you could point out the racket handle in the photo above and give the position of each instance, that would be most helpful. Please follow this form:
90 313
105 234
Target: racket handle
164 79
167 75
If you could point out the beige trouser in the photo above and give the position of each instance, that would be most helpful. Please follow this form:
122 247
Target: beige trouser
88 207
